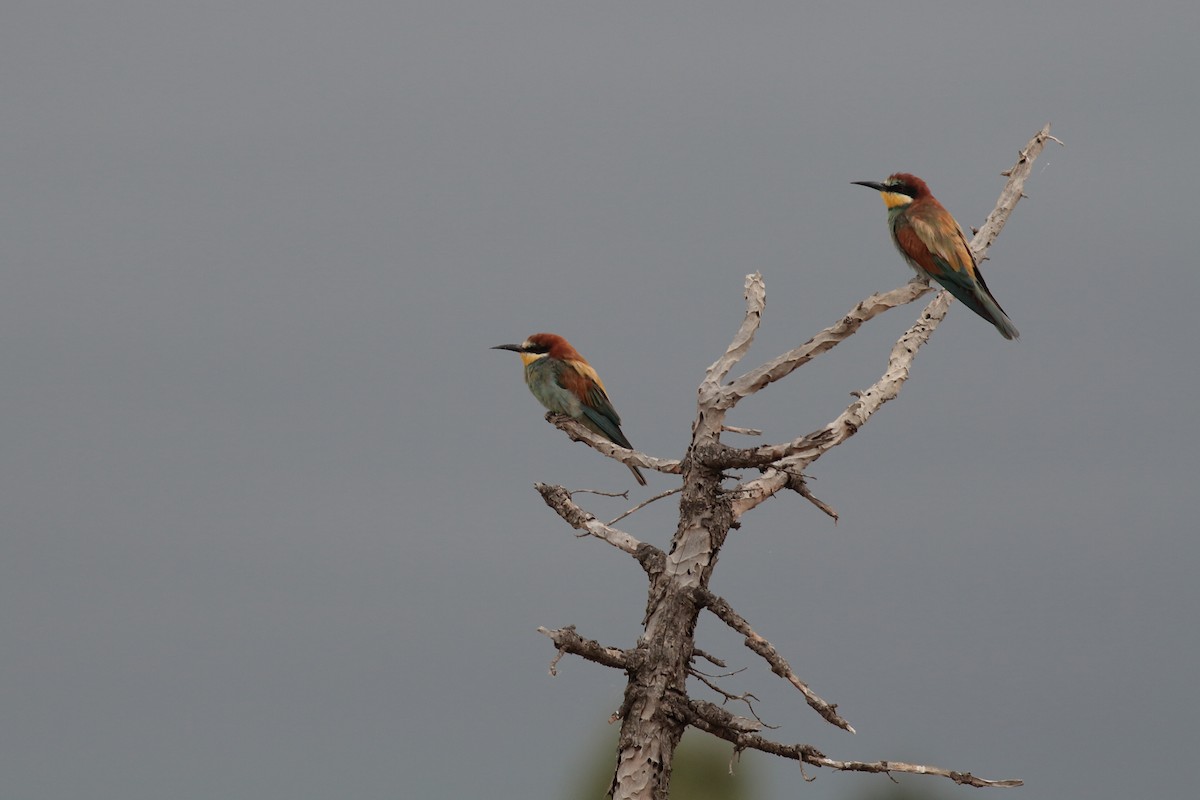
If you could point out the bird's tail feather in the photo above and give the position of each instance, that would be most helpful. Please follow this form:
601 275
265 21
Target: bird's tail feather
993 313
637 473
985 306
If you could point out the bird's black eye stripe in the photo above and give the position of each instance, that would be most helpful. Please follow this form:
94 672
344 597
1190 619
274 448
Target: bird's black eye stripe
537 349
900 187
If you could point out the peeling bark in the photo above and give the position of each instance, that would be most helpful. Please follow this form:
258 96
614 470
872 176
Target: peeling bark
657 708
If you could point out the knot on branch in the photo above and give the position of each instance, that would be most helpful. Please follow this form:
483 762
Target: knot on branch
652 559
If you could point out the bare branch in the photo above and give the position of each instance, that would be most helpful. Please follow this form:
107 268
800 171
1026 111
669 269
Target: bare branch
744 697
756 300
878 303
554 662
729 721
574 429
799 484
697 652
793 457
719 722
778 663
742 431
693 669
888 767
709 418
656 709
797 455
1013 191
823 342
645 503
560 500
568 641
599 493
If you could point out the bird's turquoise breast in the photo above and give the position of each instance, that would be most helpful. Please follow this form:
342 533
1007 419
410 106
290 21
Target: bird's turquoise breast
542 378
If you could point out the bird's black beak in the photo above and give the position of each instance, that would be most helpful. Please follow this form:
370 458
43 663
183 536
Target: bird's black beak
516 348
879 187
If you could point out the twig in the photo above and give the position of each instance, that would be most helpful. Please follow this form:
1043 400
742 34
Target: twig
560 500
568 641
1013 191
728 674
645 503
742 431
799 484
778 663
719 722
730 721
696 651
745 697
599 492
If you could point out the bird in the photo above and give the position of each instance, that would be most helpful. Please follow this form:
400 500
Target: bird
563 381
935 246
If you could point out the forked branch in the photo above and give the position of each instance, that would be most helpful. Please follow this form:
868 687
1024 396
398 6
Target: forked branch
560 500
656 707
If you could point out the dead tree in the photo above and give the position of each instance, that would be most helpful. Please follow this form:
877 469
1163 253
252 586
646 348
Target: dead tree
657 708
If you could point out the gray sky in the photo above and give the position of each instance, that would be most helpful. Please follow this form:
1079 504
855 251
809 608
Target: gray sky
267 525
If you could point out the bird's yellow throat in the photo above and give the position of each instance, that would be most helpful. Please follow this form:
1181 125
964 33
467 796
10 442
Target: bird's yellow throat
894 199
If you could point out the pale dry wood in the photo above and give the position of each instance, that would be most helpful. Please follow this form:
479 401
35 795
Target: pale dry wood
1012 193
779 665
634 458
742 431
782 366
792 457
560 500
795 456
823 342
800 486
756 302
656 708
710 416
719 722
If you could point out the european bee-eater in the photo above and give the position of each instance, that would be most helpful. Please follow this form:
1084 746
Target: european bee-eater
564 382
934 245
